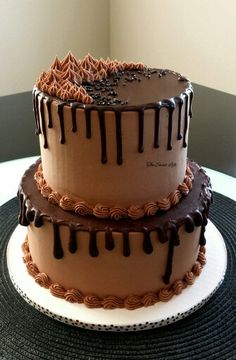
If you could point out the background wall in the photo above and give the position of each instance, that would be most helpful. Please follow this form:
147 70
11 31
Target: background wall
196 38
33 32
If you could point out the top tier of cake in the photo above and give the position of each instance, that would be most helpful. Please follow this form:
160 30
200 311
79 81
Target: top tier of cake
113 137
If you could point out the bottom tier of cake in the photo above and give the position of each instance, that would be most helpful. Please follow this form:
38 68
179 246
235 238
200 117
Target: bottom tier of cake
115 263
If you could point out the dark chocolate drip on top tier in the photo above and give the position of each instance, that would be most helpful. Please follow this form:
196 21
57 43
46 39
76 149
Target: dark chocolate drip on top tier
73 116
48 104
156 127
57 247
169 146
119 158
36 112
105 99
61 119
170 105
147 244
88 123
140 130
180 105
72 241
173 241
190 104
185 121
93 250
103 136
42 113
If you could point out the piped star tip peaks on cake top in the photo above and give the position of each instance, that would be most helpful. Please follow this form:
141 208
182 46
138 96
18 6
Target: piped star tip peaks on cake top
107 82
71 78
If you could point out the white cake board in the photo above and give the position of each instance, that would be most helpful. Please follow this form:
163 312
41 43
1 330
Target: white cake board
160 314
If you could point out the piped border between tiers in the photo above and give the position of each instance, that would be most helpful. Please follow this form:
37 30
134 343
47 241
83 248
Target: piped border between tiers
110 302
133 212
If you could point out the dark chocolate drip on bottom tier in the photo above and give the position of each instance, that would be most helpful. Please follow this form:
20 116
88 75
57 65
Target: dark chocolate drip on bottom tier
72 241
162 235
57 247
109 242
147 244
48 104
38 219
198 218
61 119
119 158
22 214
189 226
126 246
42 113
202 240
73 116
88 123
166 229
156 127
173 241
93 250
103 137
140 130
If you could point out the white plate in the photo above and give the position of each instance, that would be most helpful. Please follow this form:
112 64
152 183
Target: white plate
180 306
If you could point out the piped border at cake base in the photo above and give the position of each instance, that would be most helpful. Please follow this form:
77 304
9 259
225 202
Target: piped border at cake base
130 302
160 314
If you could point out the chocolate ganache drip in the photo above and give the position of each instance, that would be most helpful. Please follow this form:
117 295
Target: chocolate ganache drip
106 85
166 229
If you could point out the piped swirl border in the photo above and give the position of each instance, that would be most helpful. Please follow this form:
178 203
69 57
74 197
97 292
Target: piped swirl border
101 211
110 302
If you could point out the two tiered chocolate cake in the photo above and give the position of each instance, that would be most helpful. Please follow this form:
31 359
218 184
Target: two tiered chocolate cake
116 214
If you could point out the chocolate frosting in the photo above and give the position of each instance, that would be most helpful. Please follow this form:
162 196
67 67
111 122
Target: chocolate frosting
128 90
190 211
130 302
